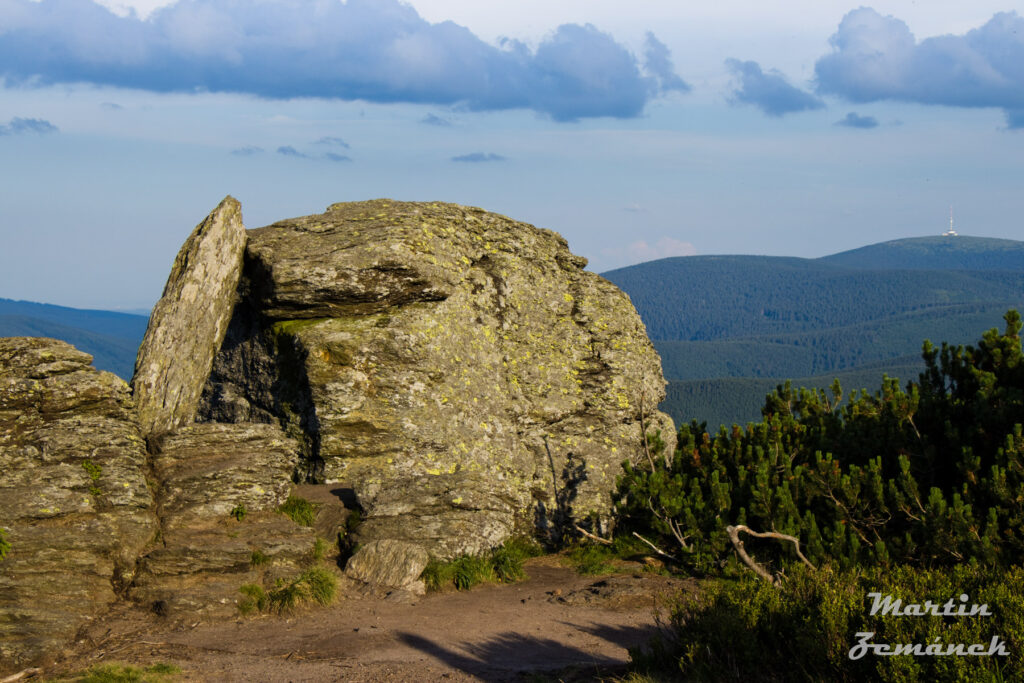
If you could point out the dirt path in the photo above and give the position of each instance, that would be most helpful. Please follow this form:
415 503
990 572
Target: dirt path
555 622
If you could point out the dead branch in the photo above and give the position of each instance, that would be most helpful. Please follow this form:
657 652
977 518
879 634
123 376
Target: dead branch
20 675
591 536
734 536
656 548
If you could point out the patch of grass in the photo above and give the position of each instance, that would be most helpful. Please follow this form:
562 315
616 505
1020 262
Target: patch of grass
286 596
124 673
591 559
300 510
320 549
316 584
5 546
259 558
502 565
255 599
238 512
508 559
321 585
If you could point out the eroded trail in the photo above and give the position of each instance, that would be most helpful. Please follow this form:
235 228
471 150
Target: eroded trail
555 621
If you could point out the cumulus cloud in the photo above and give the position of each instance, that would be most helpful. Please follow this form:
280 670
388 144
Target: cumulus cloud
433 120
19 126
770 92
479 157
658 63
667 246
289 151
374 50
876 57
855 120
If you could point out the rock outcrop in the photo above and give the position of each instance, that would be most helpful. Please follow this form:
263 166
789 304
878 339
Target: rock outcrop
219 489
188 324
456 375
75 505
459 370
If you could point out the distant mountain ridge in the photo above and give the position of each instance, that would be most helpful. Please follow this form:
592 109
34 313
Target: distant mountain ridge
960 252
730 325
111 338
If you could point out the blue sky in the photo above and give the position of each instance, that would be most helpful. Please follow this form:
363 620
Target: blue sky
637 131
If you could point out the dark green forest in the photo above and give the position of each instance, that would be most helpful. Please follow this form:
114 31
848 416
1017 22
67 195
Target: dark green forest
729 329
111 338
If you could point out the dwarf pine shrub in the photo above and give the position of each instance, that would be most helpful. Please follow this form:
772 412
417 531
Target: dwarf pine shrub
928 476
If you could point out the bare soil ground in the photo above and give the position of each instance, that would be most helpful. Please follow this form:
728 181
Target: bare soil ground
556 625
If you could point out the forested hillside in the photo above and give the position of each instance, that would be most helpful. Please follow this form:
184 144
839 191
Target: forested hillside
936 253
731 328
111 338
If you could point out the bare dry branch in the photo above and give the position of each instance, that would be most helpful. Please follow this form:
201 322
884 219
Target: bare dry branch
655 548
21 674
591 536
734 536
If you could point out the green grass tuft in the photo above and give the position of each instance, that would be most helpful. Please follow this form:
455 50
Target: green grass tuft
287 596
502 565
5 546
259 558
124 673
238 512
255 599
300 510
591 559
321 585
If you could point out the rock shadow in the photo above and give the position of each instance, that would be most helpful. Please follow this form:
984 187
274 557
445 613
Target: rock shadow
507 656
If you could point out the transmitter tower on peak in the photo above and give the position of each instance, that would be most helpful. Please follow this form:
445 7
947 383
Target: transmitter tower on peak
951 232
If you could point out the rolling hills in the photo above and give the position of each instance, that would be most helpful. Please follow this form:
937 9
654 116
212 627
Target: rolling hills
111 338
730 328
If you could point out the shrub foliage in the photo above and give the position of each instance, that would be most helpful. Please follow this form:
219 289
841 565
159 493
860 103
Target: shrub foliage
928 476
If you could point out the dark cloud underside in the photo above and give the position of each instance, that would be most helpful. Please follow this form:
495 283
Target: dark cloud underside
770 92
374 50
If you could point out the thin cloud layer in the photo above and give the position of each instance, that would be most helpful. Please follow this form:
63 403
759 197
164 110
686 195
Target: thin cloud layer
855 120
876 57
374 50
20 126
770 92
641 251
478 157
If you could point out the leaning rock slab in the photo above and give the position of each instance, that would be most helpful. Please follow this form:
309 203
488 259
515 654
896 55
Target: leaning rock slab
459 370
74 501
188 324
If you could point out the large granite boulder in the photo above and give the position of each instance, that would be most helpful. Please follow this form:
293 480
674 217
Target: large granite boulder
75 504
188 323
459 370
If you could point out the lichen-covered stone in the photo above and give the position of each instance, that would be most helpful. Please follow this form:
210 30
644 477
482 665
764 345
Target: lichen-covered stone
188 324
396 564
458 369
220 486
74 500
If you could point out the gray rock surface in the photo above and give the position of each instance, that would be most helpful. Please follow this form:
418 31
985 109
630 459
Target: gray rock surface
188 324
459 370
220 486
74 501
